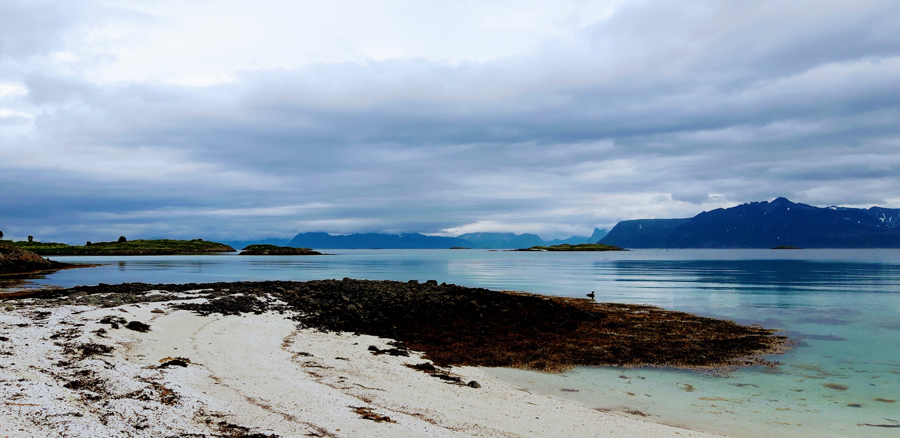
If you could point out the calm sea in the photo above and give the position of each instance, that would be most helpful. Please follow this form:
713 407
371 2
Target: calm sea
841 307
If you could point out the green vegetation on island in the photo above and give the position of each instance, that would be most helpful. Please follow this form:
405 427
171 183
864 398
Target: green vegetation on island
581 247
126 247
266 249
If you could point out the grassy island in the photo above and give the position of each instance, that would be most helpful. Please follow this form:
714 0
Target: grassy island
786 247
580 247
265 249
123 247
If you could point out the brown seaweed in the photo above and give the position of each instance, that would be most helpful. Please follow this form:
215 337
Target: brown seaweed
456 325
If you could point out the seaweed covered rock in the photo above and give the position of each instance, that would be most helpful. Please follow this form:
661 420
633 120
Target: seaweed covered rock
473 326
456 325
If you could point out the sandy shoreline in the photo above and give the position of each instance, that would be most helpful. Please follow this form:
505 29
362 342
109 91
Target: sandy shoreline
253 375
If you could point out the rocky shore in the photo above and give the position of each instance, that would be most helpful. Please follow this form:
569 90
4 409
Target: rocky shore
455 325
114 366
14 260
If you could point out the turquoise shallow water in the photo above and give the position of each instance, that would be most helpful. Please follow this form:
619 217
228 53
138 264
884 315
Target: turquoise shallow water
841 307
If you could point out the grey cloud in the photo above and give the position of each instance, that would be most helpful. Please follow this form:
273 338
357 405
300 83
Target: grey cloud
33 28
660 101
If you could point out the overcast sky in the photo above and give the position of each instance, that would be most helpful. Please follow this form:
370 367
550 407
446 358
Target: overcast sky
252 119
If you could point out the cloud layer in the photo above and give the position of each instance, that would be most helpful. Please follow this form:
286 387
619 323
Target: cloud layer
222 120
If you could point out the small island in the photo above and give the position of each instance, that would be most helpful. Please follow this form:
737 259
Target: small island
265 249
580 247
125 247
786 247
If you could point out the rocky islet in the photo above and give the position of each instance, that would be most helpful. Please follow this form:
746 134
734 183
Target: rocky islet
14 260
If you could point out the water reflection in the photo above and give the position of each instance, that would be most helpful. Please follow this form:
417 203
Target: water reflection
18 282
680 279
750 276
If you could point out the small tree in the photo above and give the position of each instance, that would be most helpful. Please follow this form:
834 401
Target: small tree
31 238
1 234
122 239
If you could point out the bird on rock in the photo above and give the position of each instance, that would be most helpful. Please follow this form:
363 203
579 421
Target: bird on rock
591 295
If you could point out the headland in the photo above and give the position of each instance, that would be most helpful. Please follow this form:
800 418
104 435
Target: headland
17 261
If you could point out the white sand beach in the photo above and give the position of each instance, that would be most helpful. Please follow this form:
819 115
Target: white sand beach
254 375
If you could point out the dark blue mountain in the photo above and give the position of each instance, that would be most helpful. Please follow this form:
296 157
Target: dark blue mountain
597 235
516 241
322 240
765 225
501 240
642 233
577 240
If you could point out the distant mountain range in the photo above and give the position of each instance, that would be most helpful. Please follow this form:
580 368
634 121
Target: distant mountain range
419 241
239 244
321 240
517 241
765 225
754 225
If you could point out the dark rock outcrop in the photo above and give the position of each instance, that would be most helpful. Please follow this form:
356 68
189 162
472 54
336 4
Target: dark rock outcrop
14 260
